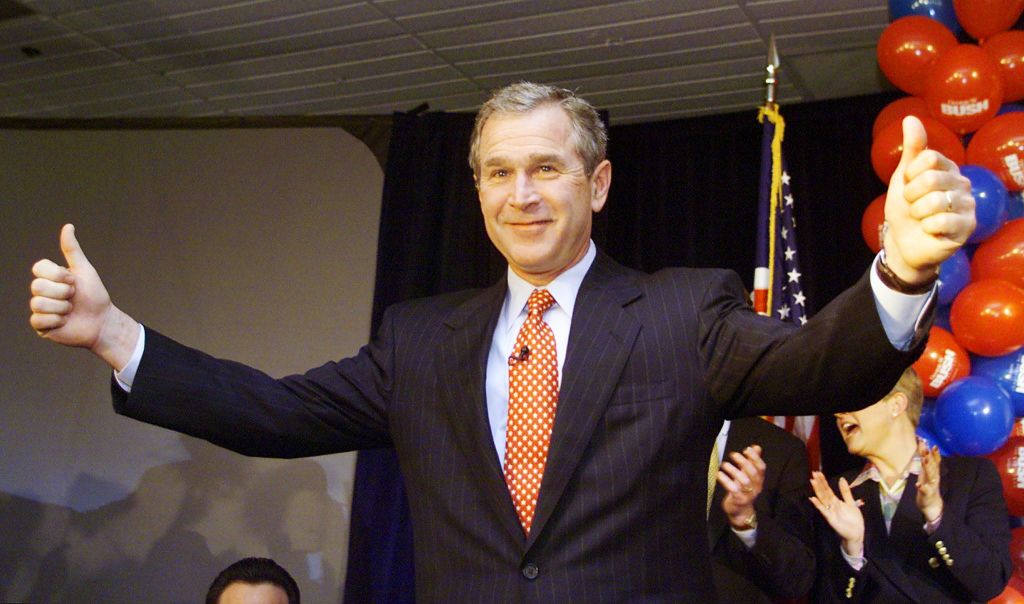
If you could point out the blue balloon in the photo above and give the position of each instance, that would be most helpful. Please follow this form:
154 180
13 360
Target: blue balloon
1015 205
927 419
1008 372
940 10
974 416
954 275
942 318
930 439
1010 108
990 201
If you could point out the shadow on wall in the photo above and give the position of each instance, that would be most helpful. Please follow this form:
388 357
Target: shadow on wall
184 523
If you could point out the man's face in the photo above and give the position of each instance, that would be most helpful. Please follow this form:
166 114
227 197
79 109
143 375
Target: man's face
536 198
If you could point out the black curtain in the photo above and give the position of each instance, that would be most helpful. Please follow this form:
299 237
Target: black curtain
684 193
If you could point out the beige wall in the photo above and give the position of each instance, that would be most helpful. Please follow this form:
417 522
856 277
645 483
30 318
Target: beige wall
257 245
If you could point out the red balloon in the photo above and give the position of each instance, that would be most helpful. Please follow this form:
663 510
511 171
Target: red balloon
942 363
908 46
897 110
1001 256
1017 551
871 223
999 146
1007 50
964 88
982 18
1009 461
1013 594
988 317
888 146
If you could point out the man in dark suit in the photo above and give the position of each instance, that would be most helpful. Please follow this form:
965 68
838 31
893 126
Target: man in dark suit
760 525
509 500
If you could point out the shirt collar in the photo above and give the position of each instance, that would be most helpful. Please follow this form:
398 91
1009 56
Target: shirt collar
870 472
563 288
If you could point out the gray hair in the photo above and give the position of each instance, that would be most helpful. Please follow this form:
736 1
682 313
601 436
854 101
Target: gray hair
588 131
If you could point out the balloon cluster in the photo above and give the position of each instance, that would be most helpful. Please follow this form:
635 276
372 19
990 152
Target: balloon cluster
963 69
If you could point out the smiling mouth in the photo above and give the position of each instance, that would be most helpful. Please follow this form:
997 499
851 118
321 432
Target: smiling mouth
533 224
848 428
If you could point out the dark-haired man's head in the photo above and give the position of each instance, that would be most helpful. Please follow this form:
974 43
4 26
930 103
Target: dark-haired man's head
253 581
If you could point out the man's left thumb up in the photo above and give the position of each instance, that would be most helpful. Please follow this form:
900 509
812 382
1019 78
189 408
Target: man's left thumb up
915 140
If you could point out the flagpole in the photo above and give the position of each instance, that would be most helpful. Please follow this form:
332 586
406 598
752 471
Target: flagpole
772 68
769 187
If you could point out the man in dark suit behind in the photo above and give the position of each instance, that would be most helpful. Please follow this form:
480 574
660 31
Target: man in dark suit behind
759 525
641 369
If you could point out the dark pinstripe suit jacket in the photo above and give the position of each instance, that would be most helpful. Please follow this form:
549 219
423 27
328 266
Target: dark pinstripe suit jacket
654 363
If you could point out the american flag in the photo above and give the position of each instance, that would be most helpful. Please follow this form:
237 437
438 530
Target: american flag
777 289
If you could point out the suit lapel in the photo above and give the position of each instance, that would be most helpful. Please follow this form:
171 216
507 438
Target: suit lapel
600 340
462 372
874 523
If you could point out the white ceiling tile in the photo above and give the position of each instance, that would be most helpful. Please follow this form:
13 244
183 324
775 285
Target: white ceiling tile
98 92
162 57
46 66
410 96
329 74
189 15
774 9
690 47
53 7
118 105
313 59
411 15
839 74
824 42
567 32
80 77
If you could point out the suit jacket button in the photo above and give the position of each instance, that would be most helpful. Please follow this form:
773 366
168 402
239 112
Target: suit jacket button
530 571
933 562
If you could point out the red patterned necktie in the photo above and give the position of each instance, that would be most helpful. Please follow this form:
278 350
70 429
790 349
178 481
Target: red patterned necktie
532 397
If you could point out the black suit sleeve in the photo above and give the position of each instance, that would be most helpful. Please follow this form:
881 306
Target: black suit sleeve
339 406
840 360
976 538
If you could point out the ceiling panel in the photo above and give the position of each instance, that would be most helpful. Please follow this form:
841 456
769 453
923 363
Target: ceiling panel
295 61
394 66
417 17
642 59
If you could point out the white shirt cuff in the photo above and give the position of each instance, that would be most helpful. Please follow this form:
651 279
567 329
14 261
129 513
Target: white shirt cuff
747 536
855 562
901 314
126 375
